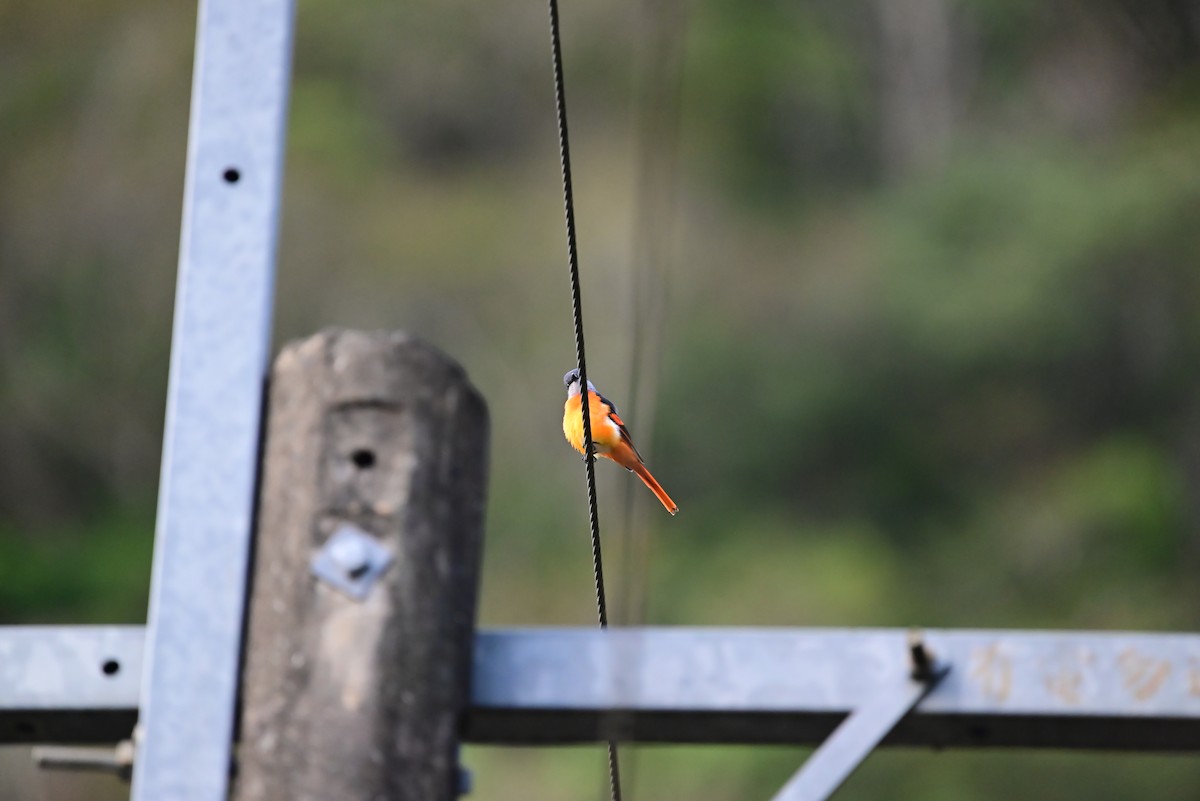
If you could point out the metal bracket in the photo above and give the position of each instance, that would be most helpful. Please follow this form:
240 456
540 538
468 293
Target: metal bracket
117 760
351 561
858 735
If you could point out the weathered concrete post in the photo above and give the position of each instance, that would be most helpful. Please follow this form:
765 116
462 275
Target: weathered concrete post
346 698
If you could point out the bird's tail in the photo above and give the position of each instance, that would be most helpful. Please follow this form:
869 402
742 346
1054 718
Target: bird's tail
644 474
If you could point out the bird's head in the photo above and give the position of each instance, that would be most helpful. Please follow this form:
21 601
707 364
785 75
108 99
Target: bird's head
571 382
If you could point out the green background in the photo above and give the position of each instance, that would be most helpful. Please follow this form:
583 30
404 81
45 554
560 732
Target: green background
898 297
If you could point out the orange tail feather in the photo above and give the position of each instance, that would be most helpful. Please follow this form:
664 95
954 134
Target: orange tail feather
644 474
624 455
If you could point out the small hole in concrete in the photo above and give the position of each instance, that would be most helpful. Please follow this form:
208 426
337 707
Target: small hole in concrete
111 667
231 175
363 458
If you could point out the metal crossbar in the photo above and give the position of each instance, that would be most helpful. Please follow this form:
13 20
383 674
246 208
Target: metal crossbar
695 685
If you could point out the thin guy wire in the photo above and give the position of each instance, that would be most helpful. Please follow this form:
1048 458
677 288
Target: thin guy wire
564 152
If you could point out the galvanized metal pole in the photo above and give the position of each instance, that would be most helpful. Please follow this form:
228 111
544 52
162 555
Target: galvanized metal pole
218 357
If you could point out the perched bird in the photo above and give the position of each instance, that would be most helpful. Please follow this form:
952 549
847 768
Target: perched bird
609 437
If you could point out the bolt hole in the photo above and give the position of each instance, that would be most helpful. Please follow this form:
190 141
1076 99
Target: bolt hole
231 175
111 667
363 458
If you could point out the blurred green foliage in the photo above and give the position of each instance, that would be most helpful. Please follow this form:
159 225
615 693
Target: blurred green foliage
938 375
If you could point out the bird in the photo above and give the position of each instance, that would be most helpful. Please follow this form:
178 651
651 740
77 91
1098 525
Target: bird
610 438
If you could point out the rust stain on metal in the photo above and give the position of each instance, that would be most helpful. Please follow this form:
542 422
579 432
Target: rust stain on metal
1193 684
1064 685
993 670
1065 675
1143 676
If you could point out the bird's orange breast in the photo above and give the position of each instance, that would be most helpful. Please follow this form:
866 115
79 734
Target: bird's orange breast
605 434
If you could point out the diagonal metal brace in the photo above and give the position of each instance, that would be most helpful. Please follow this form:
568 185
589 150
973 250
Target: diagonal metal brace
852 742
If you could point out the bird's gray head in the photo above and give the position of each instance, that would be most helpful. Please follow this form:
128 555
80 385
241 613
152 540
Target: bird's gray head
571 382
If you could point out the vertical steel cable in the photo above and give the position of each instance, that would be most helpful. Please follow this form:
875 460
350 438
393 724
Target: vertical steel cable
564 150
657 103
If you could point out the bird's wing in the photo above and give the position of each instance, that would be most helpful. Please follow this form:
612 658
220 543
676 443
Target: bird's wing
616 418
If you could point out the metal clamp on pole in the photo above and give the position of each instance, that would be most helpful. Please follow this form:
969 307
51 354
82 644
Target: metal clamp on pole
858 735
351 561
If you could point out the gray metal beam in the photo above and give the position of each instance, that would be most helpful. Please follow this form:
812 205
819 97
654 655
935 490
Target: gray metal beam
63 684
214 400
1008 688
696 685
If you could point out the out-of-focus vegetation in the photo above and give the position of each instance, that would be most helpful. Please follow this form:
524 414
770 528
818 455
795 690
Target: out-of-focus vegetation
928 355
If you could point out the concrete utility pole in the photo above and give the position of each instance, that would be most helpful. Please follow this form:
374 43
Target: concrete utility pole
366 566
